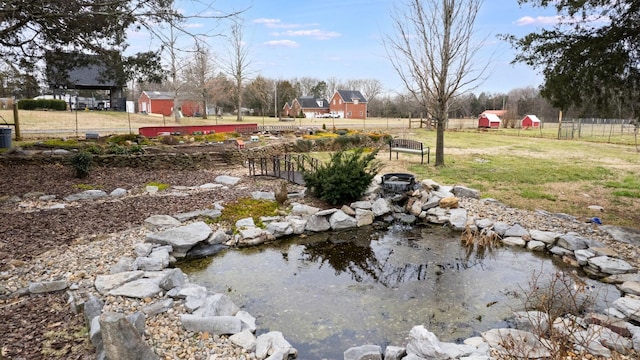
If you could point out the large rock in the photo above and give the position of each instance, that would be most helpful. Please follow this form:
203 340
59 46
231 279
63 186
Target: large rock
217 305
280 228
227 180
458 219
105 283
139 289
525 344
465 192
245 339
381 207
302 210
273 342
158 222
317 223
364 217
364 352
516 231
572 242
629 306
609 265
121 340
181 238
222 325
86 195
339 220
425 344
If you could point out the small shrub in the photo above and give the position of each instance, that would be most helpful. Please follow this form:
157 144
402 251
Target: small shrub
169 140
82 163
344 178
94 149
123 139
304 145
117 149
136 149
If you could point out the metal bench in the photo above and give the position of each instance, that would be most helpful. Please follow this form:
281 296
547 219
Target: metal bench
409 147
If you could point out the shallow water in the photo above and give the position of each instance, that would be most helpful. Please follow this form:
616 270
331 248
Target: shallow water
331 291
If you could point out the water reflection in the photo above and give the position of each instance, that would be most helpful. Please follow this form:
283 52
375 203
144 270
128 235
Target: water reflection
330 291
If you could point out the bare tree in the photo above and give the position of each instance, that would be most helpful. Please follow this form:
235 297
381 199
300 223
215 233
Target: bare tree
198 75
238 62
431 50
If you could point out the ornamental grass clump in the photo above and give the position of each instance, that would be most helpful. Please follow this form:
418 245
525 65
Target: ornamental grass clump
344 178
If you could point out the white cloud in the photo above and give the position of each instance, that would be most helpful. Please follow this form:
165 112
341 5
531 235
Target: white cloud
282 43
315 33
538 20
275 23
557 19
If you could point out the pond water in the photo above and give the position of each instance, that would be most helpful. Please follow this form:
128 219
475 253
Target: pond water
331 291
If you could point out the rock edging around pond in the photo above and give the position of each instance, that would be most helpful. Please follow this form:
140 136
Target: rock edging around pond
147 277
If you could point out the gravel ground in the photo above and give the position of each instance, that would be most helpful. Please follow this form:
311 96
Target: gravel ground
86 238
81 241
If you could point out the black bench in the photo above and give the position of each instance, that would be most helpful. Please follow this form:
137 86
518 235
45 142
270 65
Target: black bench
409 147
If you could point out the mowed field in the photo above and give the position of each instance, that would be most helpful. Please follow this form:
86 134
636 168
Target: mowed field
529 169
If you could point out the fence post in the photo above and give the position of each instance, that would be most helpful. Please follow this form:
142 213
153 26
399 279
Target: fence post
16 122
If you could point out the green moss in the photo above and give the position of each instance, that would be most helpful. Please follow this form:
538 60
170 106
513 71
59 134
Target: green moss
160 186
85 187
247 207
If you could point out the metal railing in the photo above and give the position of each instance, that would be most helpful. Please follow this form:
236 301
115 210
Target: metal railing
289 167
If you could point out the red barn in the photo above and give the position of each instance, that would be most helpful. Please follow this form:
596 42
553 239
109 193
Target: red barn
161 102
530 121
487 120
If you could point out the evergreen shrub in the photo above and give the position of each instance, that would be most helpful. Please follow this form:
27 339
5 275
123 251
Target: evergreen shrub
344 178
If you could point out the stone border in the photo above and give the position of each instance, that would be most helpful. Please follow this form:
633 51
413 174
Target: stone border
148 277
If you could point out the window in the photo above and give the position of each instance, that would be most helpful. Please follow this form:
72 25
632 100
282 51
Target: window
340 101
349 114
355 101
361 113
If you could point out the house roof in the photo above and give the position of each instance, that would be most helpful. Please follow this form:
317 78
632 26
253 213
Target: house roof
82 71
491 117
532 117
496 112
312 102
351 95
159 95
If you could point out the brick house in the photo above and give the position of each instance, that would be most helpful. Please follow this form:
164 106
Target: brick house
311 106
286 110
161 102
349 104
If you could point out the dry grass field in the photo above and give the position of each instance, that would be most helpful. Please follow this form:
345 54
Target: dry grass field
528 169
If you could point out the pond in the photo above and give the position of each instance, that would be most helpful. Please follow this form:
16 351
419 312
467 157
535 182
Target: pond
331 291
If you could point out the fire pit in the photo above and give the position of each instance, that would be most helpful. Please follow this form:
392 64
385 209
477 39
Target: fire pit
398 182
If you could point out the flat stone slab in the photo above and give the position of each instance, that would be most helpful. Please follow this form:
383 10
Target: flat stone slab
105 283
139 289
227 180
181 238
611 266
86 195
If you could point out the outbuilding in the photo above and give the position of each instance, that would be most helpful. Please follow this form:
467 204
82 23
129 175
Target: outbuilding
530 121
487 120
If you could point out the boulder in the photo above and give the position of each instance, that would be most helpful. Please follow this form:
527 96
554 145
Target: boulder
222 325
364 352
339 220
181 238
121 340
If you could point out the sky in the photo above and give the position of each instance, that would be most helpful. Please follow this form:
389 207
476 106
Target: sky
343 39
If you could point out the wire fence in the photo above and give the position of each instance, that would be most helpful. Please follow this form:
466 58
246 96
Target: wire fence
47 124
